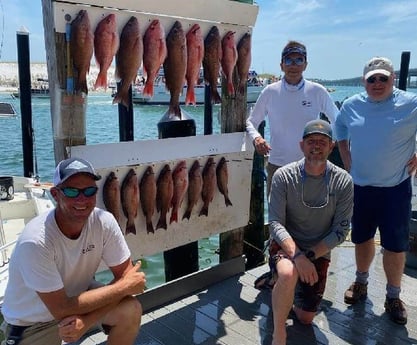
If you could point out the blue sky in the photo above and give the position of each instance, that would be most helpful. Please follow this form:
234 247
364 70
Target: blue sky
340 35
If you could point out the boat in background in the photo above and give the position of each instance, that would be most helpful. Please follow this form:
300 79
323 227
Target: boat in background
40 89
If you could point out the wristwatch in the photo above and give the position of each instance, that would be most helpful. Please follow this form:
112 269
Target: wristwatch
310 255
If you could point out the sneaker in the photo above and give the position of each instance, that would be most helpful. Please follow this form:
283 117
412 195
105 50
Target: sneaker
396 310
357 291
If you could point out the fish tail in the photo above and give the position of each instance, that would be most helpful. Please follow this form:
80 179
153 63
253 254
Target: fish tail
187 214
204 211
149 227
122 99
162 223
242 88
230 88
82 85
148 89
101 80
227 201
174 217
215 97
130 228
190 97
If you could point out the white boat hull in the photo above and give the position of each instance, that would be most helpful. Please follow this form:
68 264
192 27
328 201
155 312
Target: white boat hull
162 95
29 201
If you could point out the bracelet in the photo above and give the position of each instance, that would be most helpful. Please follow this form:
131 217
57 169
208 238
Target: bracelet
297 254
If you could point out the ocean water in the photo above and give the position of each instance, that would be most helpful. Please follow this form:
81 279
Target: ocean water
102 127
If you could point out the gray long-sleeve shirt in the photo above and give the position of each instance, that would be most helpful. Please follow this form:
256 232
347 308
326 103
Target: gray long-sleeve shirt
310 209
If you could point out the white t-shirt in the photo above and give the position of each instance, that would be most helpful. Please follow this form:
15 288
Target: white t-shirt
288 109
45 260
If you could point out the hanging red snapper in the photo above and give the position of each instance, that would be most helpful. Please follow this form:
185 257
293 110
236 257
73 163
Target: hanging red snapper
229 58
111 196
154 54
106 43
195 55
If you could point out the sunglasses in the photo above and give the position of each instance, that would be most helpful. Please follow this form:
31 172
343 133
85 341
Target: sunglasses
322 203
373 79
72 192
298 61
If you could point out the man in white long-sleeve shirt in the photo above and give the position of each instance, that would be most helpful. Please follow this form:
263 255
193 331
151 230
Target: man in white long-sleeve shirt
288 104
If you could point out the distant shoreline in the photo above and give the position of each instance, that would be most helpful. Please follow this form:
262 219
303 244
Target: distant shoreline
9 75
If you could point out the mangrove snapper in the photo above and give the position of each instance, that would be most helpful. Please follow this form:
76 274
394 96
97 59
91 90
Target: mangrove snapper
180 179
222 177
111 195
195 186
81 47
164 193
211 61
209 185
130 200
244 57
128 60
175 66
147 191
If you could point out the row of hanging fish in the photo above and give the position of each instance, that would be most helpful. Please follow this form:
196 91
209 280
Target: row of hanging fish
180 53
165 193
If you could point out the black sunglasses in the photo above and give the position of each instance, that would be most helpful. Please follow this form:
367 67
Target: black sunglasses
373 79
72 192
298 61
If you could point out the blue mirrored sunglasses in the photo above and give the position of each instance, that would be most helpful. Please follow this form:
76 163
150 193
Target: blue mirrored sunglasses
72 192
298 61
373 79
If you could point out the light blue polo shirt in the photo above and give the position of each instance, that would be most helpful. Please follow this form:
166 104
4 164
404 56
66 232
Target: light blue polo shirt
382 136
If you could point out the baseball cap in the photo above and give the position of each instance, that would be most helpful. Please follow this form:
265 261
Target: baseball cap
378 65
318 127
71 166
293 49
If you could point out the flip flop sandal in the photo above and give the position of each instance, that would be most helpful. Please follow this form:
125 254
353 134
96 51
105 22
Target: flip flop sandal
264 282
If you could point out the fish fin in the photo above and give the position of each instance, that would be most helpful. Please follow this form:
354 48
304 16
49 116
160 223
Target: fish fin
230 89
148 89
118 98
215 97
149 227
190 96
187 214
174 217
101 80
162 223
227 201
130 228
204 211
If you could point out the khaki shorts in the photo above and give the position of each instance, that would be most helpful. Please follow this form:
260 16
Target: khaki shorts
41 333
270 170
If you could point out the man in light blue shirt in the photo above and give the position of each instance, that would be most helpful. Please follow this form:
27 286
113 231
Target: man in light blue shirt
376 131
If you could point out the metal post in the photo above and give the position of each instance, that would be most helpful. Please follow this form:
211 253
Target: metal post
405 62
126 128
182 260
23 57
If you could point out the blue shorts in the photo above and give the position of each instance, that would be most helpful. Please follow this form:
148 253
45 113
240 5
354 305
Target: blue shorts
385 208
